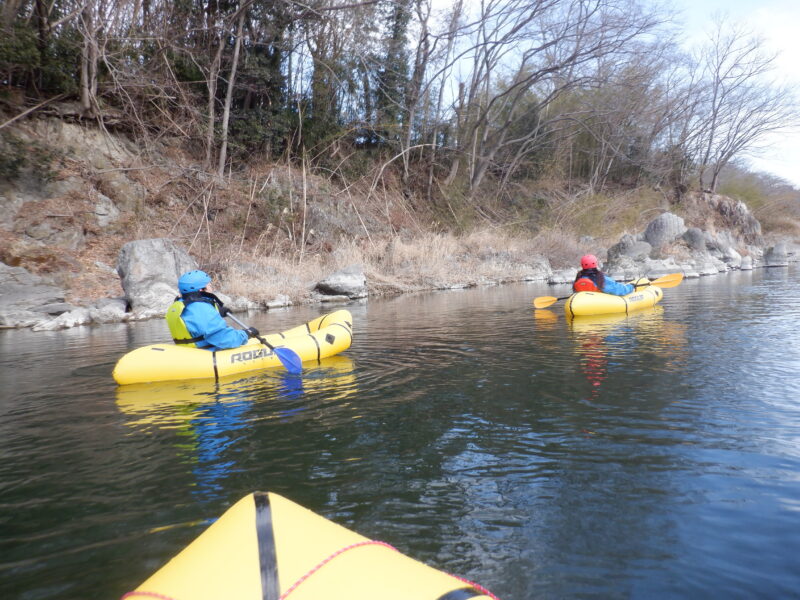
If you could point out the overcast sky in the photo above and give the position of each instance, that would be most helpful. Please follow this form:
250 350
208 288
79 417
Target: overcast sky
778 23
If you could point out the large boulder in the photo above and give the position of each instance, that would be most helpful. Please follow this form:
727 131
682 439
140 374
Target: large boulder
696 239
149 271
350 282
630 248
25 298
664 229
776 256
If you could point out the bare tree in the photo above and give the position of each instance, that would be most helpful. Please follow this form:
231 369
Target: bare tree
226 111
548 44
741 103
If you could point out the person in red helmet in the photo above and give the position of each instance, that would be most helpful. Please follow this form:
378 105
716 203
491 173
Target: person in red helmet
591 279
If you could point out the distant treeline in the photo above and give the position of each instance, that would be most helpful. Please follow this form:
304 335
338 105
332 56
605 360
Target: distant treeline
458 94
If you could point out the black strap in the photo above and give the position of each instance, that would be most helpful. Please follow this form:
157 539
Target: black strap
190 297
267 556
193 340
208 297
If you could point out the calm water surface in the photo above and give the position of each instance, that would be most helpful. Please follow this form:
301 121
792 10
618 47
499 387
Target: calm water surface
653 456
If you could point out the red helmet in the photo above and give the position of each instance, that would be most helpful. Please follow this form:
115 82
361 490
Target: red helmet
589 262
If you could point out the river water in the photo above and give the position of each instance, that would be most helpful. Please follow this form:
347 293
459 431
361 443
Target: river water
649 456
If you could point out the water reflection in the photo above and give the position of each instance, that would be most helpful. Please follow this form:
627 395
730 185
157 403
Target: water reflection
206 416
603 342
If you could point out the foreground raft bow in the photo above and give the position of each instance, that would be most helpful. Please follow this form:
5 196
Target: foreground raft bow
266 547
320 338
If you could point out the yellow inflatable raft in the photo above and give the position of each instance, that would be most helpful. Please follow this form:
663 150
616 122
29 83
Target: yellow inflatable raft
266 547
317 339
598 303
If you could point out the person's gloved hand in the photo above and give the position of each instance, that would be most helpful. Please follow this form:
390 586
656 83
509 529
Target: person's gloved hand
224 311
252 332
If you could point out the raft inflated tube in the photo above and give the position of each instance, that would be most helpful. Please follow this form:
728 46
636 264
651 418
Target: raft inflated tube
266 547
320 338
597 303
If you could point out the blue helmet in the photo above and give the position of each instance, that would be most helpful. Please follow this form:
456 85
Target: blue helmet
193 281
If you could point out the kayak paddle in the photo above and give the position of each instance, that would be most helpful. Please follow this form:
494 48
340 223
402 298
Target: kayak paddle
667 281
288 357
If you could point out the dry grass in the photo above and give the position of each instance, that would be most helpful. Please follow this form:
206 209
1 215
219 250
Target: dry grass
416 262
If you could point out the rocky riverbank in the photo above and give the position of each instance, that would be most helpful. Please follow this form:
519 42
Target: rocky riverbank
91 233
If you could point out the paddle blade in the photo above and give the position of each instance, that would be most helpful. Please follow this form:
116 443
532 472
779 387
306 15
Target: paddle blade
668 281
289 359
544 301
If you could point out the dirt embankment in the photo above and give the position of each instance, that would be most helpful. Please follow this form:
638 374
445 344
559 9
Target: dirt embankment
73 195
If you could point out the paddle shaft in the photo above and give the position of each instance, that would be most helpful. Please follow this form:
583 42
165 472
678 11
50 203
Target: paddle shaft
288 357
243 326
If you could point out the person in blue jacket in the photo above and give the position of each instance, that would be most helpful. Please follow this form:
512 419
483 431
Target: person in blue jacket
196 316
592 279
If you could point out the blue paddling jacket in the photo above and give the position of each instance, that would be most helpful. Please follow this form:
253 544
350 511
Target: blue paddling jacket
199 312
602 282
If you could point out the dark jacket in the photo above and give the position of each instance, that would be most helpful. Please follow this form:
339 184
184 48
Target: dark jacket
605 283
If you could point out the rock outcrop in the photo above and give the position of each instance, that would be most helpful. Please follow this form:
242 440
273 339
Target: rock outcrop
27 299
149 271
663 230
668 245
777 256
350 282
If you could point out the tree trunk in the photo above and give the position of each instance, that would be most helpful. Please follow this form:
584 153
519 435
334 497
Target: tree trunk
88 77
226 114
213 73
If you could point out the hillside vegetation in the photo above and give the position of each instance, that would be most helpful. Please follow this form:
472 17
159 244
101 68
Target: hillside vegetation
304 136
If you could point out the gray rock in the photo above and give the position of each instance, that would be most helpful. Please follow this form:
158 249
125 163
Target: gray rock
732 258
56 231
706 267
127 194
10 319
776 256
241 304
328 299
104 267
106 211
55 309
149 270
653 269
562 276
664 229
696 240
11 200
737 215
279 301
23 294
747 263
109 310
350 282
628 247
62 187
79 316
